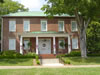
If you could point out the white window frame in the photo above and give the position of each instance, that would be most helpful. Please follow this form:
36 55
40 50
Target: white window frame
59 43
63 26
10 47
73 40
12 30
46 25
24 46
28 26
72 28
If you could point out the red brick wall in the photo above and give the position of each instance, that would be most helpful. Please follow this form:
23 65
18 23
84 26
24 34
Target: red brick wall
34 26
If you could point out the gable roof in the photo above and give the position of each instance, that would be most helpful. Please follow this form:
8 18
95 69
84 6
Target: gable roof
33 14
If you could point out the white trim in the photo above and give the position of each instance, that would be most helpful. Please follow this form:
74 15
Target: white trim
15 25
2 35
46 25
21 45
69 44
76 26
28 25
63 26
54 45
37 51
28 39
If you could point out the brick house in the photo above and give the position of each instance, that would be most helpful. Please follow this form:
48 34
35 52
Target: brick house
34 32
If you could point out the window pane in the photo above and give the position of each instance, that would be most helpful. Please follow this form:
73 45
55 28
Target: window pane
43 26
26 26
62 42
12 44
74 26
61 26
74 43
12 25
26 44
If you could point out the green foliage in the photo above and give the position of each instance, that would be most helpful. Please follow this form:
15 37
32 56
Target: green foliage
29 44
37 59
13 54
10 6
87 8
93 37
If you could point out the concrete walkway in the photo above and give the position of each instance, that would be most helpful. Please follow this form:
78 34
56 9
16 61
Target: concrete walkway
65 66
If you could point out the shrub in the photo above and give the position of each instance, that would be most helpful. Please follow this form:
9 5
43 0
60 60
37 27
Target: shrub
37 59
30 55
13 54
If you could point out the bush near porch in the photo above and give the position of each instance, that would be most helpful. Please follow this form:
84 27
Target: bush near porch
13 54
8 58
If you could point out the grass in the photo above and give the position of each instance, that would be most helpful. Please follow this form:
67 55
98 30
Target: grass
16 62
52 71
80 61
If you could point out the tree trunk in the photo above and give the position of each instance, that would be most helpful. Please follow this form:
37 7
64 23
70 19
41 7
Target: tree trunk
83 43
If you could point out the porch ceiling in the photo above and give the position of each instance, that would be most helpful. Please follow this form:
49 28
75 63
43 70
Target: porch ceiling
44 34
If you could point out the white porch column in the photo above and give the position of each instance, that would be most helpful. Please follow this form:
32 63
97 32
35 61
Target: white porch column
54 45
21 44
69 44
37 52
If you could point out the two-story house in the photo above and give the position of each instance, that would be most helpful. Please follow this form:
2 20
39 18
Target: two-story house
33 31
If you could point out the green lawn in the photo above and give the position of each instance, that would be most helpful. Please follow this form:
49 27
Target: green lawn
52 71
16 62
80 61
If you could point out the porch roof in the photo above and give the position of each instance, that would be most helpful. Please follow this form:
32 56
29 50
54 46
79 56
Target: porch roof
44 34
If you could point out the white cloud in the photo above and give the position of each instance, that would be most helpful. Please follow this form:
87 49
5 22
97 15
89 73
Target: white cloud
33 5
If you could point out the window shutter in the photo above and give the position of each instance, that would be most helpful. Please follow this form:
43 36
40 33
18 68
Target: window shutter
27 25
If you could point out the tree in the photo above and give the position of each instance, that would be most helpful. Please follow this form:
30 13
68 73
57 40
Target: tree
1 1
93 37
9 6
84 11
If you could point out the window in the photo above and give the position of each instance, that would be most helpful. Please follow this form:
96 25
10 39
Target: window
26 41
44 25
74 26
61 25
75 43
12 44
26 25
12 26
61 44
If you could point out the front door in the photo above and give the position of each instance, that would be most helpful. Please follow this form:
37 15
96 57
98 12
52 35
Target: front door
45 46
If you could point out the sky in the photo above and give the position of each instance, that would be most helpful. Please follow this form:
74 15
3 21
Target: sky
33 5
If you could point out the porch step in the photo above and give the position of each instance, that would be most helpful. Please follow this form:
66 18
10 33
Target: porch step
51 62
47 56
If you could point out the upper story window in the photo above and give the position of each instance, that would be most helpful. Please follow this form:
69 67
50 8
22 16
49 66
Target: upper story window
12 26
12 44
61 25
74 43
26 25
74 26
43 25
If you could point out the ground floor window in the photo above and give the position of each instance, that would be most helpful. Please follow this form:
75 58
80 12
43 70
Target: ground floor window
12 44
26 44
74 43
61 44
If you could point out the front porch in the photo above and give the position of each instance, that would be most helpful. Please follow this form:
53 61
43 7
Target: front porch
45 43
